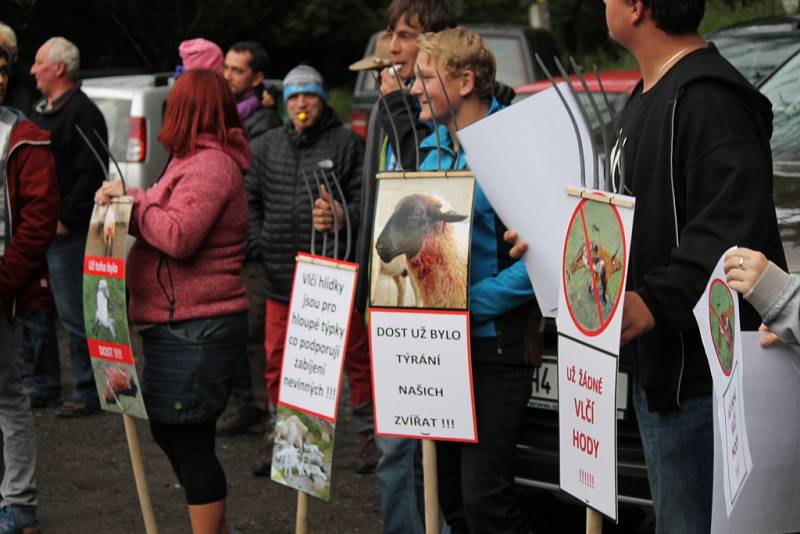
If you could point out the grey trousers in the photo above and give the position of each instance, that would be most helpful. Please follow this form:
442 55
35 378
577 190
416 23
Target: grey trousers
16 423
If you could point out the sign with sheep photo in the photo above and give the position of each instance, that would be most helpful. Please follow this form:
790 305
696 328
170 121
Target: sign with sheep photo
421 243
105 310
303 452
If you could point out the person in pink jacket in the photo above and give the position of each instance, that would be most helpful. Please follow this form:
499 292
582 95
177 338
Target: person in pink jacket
186 292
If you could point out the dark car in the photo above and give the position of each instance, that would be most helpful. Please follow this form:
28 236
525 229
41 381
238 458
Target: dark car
758 47
513 47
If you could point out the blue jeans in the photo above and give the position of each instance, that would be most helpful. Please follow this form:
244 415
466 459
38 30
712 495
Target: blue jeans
65 263
399 474
41 371
679 450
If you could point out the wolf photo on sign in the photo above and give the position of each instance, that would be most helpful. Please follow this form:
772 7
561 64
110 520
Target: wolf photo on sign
421 243
594 265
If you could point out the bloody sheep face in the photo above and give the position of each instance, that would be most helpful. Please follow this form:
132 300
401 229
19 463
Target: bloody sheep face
414 217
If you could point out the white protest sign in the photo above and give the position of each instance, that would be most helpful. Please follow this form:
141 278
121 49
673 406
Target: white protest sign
717 316
768 502
587 425
594 268
421 374
316 334
523 157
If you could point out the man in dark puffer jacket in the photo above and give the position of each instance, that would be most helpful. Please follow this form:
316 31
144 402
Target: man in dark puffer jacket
281 220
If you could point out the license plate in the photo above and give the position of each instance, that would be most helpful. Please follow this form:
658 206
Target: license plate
544 394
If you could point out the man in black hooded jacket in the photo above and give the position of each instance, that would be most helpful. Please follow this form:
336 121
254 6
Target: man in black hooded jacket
280 223
694 150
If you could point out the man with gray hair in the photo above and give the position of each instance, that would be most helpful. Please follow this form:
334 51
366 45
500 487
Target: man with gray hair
63 107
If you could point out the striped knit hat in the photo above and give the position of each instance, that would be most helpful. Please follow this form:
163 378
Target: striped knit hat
303 79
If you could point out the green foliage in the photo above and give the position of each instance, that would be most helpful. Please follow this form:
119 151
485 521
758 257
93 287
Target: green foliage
341 100
720 13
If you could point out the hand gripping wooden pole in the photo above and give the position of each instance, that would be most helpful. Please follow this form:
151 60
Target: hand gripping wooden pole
138 475
301 521
431 487
594 522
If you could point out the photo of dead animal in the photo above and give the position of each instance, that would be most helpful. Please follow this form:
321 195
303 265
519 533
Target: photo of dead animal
420 254
118 386
303 452
108 230
118 382
594 267
722 318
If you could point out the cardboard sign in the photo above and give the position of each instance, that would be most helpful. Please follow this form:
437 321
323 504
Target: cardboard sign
422 374
717 316
587 425
316 335
768 502
105 312
594 268
303 452
523 157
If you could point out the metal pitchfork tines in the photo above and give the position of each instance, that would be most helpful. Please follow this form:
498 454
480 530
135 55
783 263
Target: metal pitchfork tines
103 166
325 175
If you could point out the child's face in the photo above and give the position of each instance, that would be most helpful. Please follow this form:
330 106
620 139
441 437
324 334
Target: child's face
432 97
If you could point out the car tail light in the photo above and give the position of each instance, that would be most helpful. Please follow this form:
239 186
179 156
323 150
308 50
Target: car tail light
137 140
358 123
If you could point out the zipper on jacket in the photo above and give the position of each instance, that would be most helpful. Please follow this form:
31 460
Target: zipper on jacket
297 179
677 234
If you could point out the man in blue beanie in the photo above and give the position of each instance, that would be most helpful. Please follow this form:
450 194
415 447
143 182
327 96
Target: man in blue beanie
281 221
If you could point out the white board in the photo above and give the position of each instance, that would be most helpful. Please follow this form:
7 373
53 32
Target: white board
422 375
768 502
523 157
316 335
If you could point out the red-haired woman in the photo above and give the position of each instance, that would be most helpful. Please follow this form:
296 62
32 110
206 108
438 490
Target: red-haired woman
186 292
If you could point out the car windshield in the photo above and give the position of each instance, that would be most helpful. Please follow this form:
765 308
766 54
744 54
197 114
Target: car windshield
117 113
783 90
756 56
510 60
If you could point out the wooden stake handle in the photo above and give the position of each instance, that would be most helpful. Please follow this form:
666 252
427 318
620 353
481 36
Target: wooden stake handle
594 522
301 521
431 487
138 475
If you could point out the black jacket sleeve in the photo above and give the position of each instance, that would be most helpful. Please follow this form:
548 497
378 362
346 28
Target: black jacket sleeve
255 202
87 174
398 113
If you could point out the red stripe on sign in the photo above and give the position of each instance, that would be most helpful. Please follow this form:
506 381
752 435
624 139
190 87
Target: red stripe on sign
110 352
106 267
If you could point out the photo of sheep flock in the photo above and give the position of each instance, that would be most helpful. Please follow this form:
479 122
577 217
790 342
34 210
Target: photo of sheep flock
594 265
421 243
722 318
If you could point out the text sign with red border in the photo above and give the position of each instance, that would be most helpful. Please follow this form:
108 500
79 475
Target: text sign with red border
422 375
316 334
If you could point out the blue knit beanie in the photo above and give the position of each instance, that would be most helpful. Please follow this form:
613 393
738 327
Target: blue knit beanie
303 79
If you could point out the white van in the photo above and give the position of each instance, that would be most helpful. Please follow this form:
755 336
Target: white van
133 107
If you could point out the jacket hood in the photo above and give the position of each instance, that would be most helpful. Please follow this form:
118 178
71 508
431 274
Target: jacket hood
327 120
26 131
238 146
708 64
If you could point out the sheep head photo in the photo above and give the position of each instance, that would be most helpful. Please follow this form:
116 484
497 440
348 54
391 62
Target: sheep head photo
420 254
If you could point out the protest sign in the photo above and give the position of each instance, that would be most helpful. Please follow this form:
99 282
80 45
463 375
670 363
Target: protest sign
105 310
316 334
525 185
422 375
587 427
594 269
717 316
768 502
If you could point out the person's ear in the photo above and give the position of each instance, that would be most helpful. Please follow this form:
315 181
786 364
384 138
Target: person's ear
60 69
466 83
258 79
637 12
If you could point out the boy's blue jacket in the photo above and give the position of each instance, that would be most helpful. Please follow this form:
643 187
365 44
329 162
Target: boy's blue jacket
500 292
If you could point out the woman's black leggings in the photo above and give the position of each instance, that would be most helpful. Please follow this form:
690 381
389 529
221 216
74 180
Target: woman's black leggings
190 449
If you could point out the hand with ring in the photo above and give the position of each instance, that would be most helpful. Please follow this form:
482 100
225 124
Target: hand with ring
744 268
